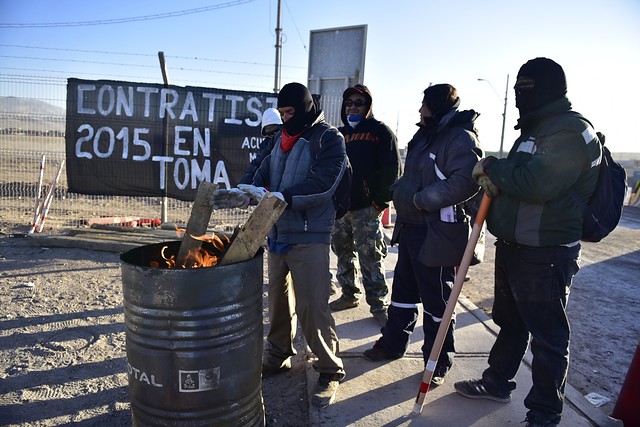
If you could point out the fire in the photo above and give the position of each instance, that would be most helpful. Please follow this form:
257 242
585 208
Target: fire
207 255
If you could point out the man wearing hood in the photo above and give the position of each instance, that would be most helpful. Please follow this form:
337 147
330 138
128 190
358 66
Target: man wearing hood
538 226
271 123
373 153
432 226
304 167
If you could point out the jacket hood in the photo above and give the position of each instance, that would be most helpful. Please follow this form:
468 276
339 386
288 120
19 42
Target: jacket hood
360 90
271 116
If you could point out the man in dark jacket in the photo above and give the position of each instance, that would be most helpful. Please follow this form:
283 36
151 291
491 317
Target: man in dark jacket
429 204
373 153
305 167
538 228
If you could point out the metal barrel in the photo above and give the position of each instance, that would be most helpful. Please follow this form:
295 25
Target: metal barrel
193 341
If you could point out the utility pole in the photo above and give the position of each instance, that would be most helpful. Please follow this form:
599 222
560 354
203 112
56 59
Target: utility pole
504 116
504 112
276 85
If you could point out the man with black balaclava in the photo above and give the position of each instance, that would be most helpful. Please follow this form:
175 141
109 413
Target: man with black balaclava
538 226
304 167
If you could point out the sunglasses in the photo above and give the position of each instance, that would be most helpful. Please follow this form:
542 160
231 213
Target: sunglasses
358 103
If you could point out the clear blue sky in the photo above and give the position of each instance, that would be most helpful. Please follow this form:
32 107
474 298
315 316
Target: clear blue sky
410 44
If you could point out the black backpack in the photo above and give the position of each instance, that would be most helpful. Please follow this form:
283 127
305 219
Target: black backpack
603 211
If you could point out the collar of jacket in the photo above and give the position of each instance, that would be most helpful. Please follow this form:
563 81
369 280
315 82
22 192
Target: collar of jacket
319 119
534 118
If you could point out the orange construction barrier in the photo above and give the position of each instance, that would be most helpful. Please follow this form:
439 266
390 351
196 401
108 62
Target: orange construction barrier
626 408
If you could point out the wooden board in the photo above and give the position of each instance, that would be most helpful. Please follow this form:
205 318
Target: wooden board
198 222
252 234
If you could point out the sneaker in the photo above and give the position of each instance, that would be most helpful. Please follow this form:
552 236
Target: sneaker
437 378
271 370
376 354
344 303
475 389
325 392
381 317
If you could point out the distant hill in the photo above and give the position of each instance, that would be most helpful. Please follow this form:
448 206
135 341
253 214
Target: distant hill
30 116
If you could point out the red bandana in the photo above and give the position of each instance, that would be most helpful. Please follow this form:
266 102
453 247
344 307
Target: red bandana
287 142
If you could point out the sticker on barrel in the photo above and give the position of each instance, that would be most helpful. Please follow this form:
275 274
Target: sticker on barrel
200 380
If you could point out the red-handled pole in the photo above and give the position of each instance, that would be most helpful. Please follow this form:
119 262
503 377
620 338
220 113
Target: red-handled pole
451 303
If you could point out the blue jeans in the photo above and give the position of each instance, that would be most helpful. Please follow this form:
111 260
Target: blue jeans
531 292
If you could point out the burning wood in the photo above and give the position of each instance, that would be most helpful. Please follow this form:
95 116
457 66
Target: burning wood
210 252
197 251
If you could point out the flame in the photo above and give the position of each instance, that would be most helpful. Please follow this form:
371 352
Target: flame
203 256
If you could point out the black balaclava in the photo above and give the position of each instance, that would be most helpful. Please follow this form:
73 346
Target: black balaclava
540 81
440 99
297 96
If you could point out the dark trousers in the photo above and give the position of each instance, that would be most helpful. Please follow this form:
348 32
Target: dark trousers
531 292
415 283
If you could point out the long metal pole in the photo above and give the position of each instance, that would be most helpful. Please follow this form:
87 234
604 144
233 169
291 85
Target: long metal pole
504 116
276 84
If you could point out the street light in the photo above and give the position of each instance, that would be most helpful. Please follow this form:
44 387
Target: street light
504 113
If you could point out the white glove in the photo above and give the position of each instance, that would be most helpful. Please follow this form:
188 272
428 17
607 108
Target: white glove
256 193
227 199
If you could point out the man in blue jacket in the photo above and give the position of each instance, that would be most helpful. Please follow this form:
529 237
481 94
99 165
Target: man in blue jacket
305 166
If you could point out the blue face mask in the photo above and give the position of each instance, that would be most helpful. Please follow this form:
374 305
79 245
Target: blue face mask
354 119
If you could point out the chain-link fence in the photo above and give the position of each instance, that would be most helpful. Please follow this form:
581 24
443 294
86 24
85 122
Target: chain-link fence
32 125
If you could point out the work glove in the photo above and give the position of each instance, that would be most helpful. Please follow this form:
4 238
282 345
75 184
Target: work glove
227 199
480 176
256 193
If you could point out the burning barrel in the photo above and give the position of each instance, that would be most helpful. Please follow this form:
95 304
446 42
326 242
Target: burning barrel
193 340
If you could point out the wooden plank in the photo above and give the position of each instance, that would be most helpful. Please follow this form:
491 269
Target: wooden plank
117 246
198 222
252 234
126 231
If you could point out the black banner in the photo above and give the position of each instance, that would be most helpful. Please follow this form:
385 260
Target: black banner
140 139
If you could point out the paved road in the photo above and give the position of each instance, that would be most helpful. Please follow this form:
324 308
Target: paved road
604 307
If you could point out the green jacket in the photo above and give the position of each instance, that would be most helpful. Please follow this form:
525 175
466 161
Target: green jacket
554 154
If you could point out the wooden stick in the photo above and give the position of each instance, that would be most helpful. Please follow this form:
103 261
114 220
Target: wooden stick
252 234
451 304
49 198
198 222
36 210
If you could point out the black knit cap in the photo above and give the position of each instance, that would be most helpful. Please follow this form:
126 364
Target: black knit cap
297 95
440 99
540 82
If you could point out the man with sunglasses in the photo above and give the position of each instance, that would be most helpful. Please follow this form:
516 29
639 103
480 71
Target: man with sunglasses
373 153
538 226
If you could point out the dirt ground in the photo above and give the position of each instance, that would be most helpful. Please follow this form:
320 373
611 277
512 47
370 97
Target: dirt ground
62 340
